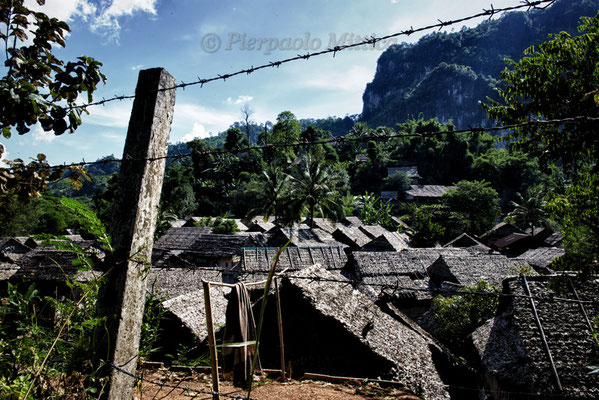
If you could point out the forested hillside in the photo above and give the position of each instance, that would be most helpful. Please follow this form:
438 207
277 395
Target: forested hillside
448 75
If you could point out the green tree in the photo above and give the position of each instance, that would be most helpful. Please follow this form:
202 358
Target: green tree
235 139
427 231
577 210
473 206
399 181
508 171
374 211
269 190
39 88
312 189
529 212
461 314
555 80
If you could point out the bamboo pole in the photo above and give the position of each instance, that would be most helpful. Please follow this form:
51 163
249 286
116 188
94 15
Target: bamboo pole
280 324
211 341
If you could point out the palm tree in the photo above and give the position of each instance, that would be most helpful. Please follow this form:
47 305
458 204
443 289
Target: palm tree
312 190
271 191
529 212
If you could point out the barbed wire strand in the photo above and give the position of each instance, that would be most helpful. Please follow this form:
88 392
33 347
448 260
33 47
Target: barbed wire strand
371 41
332 141
167 385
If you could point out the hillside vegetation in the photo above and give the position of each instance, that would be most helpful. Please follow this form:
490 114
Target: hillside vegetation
448 75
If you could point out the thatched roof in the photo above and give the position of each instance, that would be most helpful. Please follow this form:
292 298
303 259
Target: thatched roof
465 240
405 270
167 259
373 231
427 191
173 282
300 236
189 308
542 257
405 262
351 221
388 241
214 245
322 224
398 223
513 241
351 236
12 249
201 243
292 258
181 238
7 270
334 328
555 239
45 263
512 351
499 231
468 270
178 223
260 226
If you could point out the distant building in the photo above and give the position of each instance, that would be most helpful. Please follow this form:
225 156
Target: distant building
426 194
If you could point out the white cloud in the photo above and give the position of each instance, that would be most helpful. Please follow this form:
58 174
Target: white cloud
103 19
112 115
107 22
353 80
3 155
136 67
239 99
64 10
193 120
197 131
40 136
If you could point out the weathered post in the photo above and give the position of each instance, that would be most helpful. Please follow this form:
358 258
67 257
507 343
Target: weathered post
122 297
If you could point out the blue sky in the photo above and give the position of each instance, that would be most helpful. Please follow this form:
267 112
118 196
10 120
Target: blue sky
199 38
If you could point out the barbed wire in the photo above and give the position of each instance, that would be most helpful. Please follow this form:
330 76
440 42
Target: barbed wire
176 387
336 140
371 41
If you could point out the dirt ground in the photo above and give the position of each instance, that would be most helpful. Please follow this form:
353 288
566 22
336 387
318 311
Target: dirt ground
192 385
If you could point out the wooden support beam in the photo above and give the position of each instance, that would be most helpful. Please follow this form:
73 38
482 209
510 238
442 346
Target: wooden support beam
211 341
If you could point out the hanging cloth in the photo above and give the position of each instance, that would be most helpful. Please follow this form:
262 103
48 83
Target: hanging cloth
240 329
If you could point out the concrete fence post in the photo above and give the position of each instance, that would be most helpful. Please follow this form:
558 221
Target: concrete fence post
122 297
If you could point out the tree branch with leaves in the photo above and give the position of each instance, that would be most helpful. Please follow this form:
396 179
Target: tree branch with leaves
39 88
